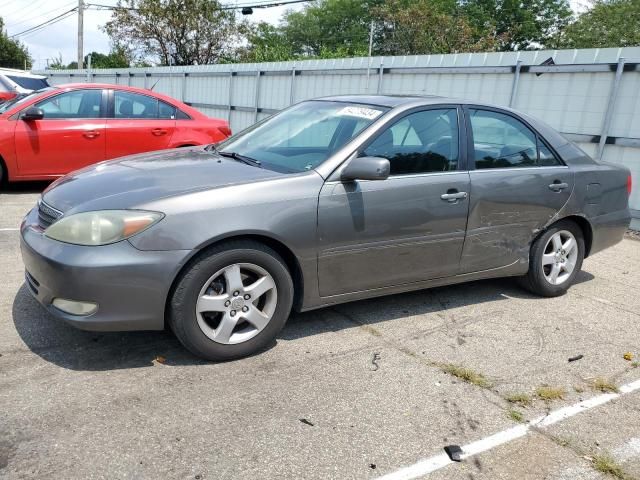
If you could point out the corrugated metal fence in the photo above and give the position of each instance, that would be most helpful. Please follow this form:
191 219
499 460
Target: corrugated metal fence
591 95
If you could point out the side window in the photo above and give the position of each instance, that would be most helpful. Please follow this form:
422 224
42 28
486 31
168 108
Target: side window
70 105
546 158
501 141
134 105
166 111
180 115
421 142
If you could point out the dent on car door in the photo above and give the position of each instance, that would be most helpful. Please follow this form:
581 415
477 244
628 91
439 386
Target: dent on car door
409 227
139 123
518 185
70 135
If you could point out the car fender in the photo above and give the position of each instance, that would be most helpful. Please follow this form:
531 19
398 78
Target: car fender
7 148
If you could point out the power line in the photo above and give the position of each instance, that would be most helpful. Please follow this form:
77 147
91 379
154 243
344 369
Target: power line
226 7
51 21
40 15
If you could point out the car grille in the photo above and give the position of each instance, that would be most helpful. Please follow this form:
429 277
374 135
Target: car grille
47 214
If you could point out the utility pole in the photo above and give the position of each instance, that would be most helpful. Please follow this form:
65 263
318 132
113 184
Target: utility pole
370 52
80 33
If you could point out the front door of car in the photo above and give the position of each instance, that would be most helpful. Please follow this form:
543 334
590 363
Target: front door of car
138 123
407 228
70 136
518 186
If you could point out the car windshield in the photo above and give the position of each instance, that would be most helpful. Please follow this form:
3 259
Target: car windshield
30 83
22 99
303 136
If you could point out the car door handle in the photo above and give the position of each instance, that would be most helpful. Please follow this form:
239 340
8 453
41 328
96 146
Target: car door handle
453 197
91 133
159 131
556 187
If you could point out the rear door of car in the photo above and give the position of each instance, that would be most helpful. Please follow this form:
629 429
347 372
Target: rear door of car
518 184
70 136
407 228
138 123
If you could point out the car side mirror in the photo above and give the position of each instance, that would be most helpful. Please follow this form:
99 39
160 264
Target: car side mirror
31 114
366 168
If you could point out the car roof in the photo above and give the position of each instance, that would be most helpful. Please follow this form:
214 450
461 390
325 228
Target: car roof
392 101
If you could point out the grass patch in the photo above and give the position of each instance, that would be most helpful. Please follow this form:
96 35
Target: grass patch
522 399
635 364
604 463
515 415
604 385
548 393
466 375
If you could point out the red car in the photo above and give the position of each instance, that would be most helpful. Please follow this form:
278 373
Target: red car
56 130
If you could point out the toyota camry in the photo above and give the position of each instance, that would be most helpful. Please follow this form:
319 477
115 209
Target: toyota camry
328 201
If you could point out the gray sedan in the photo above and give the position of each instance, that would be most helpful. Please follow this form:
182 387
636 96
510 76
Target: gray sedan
329 201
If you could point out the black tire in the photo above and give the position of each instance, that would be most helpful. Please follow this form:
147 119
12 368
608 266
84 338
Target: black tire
3 174
535 280
182 317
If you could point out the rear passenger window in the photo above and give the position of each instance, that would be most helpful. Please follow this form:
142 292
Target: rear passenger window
136 106
166 111
501 141
546 158
422 142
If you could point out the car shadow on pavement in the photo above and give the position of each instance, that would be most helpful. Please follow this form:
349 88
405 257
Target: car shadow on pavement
19 188
56 342
65 346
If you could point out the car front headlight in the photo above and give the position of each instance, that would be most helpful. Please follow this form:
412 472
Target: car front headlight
101 227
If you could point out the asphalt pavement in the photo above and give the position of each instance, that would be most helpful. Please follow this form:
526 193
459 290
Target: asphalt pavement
360 390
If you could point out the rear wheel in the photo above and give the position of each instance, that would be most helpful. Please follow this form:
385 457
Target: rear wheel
232 302
555 260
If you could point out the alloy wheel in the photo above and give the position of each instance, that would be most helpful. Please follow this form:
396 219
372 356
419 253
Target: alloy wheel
236 303
559 257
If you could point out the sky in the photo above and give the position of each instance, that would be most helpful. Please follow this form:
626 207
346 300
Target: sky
60 38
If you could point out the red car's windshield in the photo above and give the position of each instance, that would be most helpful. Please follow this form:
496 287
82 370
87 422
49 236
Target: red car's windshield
22 99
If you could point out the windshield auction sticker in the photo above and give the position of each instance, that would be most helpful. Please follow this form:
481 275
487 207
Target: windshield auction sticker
360 112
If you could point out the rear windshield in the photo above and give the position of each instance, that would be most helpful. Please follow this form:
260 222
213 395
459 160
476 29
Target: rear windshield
28 82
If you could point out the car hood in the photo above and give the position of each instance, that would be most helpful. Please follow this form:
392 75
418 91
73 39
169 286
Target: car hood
131 181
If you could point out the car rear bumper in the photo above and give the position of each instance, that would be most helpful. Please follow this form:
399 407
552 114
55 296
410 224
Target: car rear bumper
609 229
129 286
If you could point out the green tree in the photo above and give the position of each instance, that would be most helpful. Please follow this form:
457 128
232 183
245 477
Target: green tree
518 24
13 54
426 27
612 23
117 58
265 43
330 28
176 32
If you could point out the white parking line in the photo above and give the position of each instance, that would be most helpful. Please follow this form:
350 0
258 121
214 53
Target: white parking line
437 462
9 229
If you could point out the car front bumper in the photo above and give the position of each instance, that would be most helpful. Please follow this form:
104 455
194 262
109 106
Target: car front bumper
129 286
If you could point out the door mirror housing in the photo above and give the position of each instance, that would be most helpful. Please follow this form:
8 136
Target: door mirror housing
366 168
31 114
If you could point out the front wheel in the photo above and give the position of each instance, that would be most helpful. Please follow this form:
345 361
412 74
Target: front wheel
232 301
555 260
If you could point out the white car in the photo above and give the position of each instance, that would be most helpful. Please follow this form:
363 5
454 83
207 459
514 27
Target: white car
18 82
